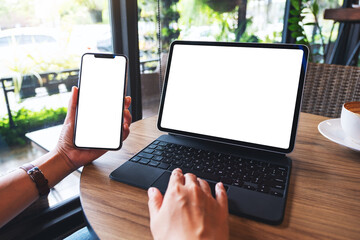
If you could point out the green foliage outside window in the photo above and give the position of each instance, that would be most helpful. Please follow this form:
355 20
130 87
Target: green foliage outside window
221 18
169 21
306 14
26 121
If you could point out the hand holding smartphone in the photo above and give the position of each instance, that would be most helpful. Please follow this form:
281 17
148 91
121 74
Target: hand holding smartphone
100 106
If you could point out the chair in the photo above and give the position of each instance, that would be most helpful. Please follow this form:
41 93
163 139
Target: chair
328 87
55 222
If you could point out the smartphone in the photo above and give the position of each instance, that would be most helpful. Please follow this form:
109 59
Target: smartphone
100 106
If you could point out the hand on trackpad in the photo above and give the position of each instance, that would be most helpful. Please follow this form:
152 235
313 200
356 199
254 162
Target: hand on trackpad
162 182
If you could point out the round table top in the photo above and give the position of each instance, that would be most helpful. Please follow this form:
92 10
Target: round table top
323 196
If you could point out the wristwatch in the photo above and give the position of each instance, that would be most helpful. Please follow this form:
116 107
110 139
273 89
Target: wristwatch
38 178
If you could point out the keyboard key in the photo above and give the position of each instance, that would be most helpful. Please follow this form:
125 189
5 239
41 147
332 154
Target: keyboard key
208 163
263 186
148 150
255 180
153 163
177 162
246 178
167 155
167 160
135 159
263 190
283 169
157 158
145 155
152 146
163 165
251 167
197 161
160 148
188 164
276 194
249 187
219 166
279 186
188 154
157 152
162 144
209 170
156 142
238 183
229 168
198 167
144 161
279 180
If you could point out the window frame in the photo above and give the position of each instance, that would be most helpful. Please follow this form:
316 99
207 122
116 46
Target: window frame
124 27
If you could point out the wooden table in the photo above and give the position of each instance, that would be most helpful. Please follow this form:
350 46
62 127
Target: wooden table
343 14
46 138
323 200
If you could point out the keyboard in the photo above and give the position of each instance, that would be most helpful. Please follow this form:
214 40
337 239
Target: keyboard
250 174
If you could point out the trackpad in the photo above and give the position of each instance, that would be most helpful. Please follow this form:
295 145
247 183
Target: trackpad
136 174
162 182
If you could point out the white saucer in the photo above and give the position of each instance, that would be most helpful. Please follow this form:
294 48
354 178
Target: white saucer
332 130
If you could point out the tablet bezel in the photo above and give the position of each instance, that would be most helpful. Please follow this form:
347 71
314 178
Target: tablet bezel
234 142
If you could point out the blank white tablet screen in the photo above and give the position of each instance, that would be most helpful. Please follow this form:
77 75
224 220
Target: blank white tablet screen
99 113
240 93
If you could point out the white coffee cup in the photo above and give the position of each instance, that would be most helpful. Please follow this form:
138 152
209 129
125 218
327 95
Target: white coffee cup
350 120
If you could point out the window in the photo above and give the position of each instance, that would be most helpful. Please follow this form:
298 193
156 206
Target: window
199 20
5 41
23 39
163 21
41 45
43 39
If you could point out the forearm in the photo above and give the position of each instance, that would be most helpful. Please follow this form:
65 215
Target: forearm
18 191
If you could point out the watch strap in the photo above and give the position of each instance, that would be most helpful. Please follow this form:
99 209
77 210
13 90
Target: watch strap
38 178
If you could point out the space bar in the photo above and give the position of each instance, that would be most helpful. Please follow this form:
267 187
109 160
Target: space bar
199 174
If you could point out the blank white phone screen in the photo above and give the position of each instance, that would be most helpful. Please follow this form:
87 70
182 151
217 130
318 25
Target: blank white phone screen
99 112
240 93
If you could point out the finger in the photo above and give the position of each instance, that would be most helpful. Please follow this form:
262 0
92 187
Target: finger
70 116
155 201
204 186
126 131
127 102
190 179
176 177
127 117
221 196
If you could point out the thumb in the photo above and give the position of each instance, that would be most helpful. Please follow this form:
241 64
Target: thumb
70 116
155 201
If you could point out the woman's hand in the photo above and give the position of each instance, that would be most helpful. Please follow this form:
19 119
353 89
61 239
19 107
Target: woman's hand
188 210
65 147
